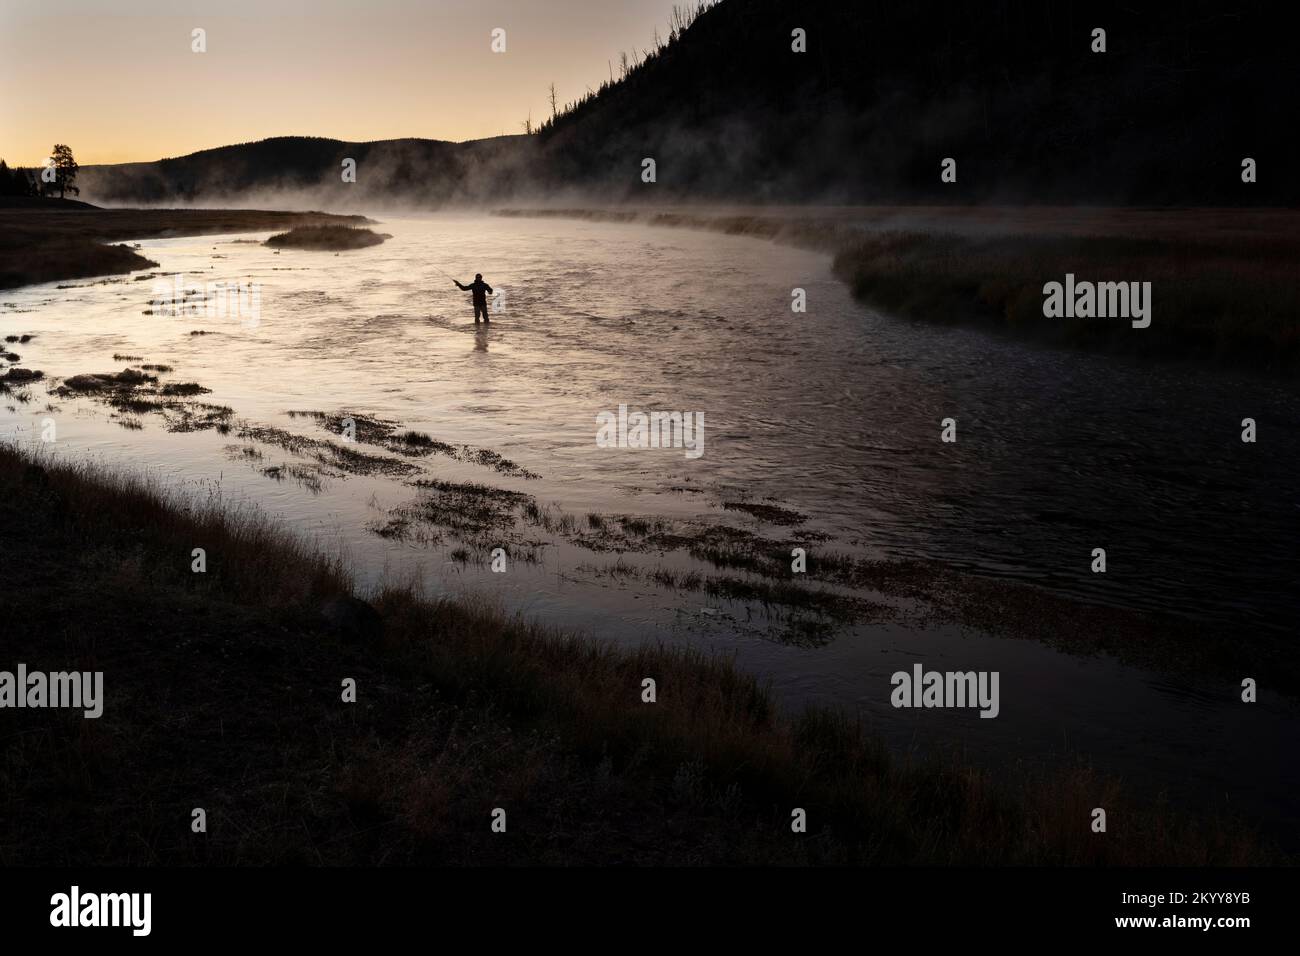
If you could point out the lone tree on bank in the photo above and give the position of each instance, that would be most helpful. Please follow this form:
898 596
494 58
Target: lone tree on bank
65 169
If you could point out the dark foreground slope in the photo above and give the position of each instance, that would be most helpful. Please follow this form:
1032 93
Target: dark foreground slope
223 691
1010 89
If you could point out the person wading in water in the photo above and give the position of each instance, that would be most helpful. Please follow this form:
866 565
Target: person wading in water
480 290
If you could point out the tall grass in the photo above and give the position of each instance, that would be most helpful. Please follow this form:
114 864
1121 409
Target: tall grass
247 554
565 716
1233 299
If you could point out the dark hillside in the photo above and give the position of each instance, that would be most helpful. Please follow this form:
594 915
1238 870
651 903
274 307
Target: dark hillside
408 171
1008 88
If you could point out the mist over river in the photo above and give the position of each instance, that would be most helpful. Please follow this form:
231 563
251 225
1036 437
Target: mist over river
834 414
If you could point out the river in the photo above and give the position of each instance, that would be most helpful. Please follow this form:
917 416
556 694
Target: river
834 413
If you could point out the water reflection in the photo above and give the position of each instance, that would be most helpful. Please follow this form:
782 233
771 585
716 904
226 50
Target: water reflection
835 414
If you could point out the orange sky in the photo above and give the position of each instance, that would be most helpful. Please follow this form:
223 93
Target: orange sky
117 81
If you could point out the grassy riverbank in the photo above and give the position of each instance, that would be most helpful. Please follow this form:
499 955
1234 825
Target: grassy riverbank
329 238
1224 288
56 241
223 691
1232 301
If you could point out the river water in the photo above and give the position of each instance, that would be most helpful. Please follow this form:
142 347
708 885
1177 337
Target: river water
834 413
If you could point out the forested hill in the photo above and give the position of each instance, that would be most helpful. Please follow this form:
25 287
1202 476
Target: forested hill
1010 89
292 171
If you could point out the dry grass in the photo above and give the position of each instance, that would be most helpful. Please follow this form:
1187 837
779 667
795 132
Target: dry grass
1233 300
50 243
329 238
225 694
66 258
247 554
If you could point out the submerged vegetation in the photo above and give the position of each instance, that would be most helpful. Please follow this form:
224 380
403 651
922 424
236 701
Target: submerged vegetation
460 709
835 589
410 443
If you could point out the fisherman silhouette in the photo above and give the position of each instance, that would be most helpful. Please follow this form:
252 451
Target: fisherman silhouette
480 290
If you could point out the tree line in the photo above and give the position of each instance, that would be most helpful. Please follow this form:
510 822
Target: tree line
679 21
20 181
